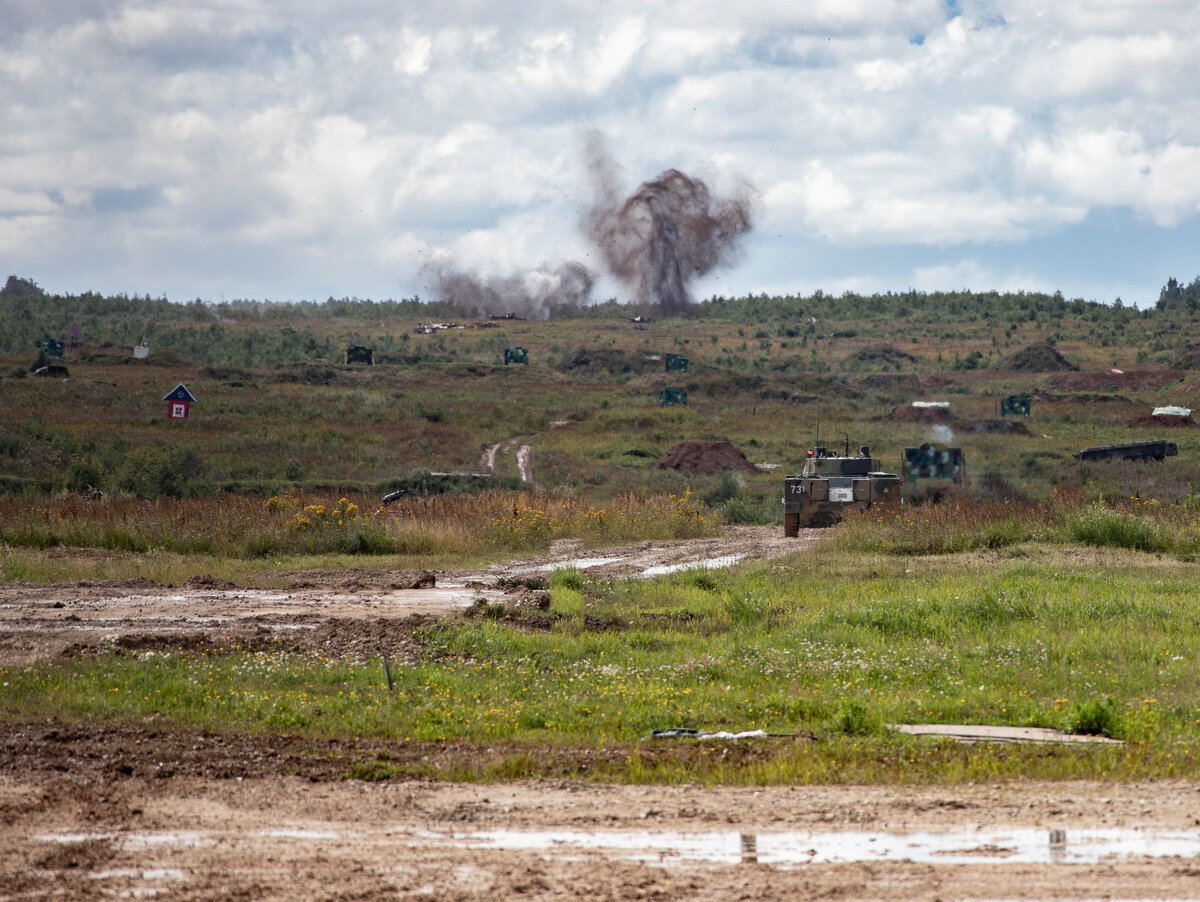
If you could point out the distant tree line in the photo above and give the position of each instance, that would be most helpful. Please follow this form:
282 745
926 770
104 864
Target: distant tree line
918 306
247 332
1176 297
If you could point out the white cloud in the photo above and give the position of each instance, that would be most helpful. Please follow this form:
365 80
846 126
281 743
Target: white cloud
970 274
415 53
1116 168
370 137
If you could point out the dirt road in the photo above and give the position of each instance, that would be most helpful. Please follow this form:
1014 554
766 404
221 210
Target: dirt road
40 622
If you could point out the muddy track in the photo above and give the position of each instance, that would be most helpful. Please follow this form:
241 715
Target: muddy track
343 609
91 811
521 448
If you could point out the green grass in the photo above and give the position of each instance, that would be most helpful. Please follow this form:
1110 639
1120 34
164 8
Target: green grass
838 645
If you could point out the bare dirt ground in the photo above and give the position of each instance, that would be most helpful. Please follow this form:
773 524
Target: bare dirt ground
337 611
91 811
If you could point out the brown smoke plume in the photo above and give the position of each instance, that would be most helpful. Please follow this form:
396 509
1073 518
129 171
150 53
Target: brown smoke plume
667 233
540 294
656 241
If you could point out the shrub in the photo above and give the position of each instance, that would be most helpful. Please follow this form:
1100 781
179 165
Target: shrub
1095 717
1101 525
854 718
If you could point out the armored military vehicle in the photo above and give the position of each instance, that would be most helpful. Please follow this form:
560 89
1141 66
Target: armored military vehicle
832 484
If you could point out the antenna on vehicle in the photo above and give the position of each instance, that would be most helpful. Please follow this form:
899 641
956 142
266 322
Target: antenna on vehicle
847 453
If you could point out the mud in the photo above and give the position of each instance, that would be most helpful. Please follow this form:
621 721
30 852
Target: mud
356 612
270 821
148 809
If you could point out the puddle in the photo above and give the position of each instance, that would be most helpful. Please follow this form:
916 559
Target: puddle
712 563
441 596
582 563
785 849
132 840
300 834
792 848
136 874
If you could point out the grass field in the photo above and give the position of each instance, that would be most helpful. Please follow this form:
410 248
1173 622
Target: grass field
835 642
1050 592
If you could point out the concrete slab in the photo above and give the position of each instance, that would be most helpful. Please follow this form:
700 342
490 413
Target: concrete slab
986 733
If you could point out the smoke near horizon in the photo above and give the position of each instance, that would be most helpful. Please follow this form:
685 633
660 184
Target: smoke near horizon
670 231
538 294
656 242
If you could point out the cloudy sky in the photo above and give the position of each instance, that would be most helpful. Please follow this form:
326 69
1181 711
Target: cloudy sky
301 149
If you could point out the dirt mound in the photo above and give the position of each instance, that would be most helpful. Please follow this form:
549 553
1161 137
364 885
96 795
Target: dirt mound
1079 398
706 458
906 413
204 581
1166 420
364 640
419 579
1041 358
994 427
1188 386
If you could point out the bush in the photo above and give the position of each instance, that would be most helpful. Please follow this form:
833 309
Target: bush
752 510
853 718
164 472
1105 527
1095 717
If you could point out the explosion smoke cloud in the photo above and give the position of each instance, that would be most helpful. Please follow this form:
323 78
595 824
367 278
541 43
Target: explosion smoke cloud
539 294
656 241
667 233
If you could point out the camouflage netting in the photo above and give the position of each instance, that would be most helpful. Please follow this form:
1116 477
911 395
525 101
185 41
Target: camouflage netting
706 458
1038 359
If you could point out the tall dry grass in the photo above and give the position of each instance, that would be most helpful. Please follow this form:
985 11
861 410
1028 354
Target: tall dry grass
241 527
1068 518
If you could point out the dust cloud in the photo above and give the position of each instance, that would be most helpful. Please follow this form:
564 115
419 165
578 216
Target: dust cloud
655 241
664 235
541 293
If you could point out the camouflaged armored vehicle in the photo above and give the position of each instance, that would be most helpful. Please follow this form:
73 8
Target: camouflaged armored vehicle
832 484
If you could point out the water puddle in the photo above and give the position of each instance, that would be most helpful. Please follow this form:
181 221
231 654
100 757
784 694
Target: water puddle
792 848
712 563
300 834
784 849
135 874
441 596
131 841
582 563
